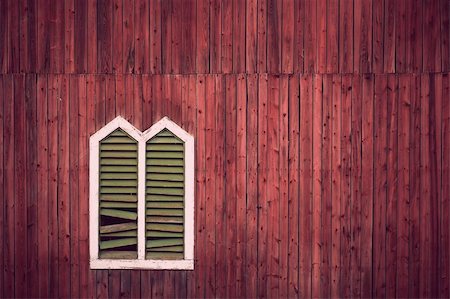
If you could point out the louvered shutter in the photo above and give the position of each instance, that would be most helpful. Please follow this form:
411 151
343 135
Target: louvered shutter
165 197
118 196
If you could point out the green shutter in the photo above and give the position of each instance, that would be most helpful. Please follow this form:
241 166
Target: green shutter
118 196
164 207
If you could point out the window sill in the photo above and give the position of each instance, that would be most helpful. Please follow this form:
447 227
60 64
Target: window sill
142 264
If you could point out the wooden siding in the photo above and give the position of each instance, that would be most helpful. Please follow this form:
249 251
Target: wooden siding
322 142
319 185
217 36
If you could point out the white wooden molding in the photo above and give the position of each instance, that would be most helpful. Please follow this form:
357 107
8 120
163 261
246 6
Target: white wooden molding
141 138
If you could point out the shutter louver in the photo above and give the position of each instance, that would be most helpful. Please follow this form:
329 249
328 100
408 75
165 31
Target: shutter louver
164 197
118 196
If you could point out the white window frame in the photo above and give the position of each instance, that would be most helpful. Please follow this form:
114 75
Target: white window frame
141 138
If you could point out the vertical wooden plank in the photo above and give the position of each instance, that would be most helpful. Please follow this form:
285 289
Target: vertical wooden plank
64 221
299 32
20 185
101 276
380 183
14 56
176 39
431 38
2 188
142 36
27 27
32 191
333 22
262 187
69 37
9 186
390 25
210 156
227 37
355 275
273 186
346 186
403 206
230 183
401 21
104 36
117 36
83 203
241 184
42 185
220 203
392 199
367 185
200 186
445 238
306 95
445 34
4 45
215 36
261 45
316 252
43 44
52 102
274 13
92 36
57 37
415 192
251 21
80 35
166 31
293 202
378 36
310 37
336 175
325 267
346 36
155 36
284 186
251 251
323 40
436 176
414 42
362 36
287 21
73 185
425 189
197 61
239 42
128 37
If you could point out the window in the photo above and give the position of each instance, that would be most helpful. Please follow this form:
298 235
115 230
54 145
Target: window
141 197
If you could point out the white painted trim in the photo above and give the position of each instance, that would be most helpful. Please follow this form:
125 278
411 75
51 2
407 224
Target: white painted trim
143 264
141 138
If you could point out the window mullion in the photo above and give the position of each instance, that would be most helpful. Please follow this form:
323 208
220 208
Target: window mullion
141 200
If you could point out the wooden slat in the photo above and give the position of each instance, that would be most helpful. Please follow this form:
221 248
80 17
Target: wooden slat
165 162
165 205
164 184
118 169
162 169
118 162
164 147
164 212
157 234
165 177
164 255
118 197
163 243
108 254
130 233
164 197
165 219
164 191
117 243
113 204
164 227
118 147
169 155
118 190
168 249
117 183
118 214
118 227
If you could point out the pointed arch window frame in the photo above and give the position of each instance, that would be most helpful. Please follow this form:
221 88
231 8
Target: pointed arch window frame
141 138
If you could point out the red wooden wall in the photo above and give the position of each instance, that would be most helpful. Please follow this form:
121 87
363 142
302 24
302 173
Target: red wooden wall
322 134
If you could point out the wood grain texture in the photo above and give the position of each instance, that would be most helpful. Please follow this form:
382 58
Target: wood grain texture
321 130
